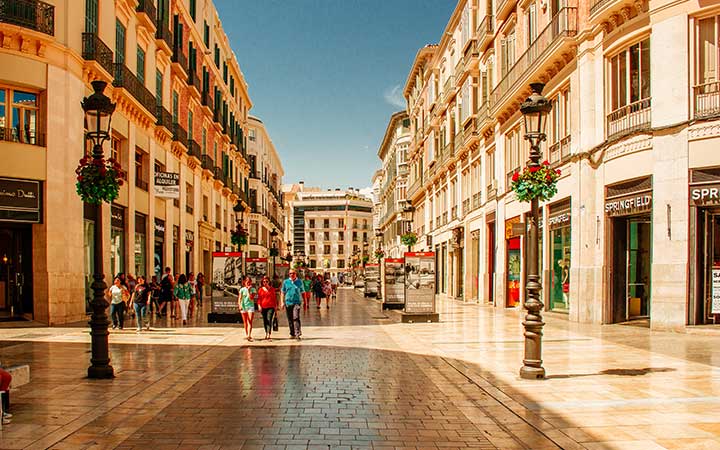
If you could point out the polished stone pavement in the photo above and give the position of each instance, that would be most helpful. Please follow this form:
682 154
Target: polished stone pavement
359 379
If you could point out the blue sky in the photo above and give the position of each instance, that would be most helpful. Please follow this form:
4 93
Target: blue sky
325 76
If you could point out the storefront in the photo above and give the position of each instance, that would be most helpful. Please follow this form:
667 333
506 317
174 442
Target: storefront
140 244
704 302
117 239
491 256
159 248
189 244
628 208
513 231
176 249
559 221
20 207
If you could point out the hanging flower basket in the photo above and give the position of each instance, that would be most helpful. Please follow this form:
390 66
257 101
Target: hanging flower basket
299 265
365 259
274 252
379 254
239 236
98 180
535 182
409 239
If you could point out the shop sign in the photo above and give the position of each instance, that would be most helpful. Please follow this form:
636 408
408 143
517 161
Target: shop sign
189 240
372 278
420 282
715 306
706 194
176 233
167 185
394 281
513 228
159 228
559 220
19 200
629 204
117 217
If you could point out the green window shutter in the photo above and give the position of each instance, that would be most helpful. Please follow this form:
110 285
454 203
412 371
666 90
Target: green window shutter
158 88
119 42
175 106
91 16
206 35
141 64
193 8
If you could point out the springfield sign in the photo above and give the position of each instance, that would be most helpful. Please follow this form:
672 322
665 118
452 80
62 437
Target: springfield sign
630 204
167 184
705 195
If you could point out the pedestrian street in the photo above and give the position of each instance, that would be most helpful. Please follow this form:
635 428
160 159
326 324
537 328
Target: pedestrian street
361 379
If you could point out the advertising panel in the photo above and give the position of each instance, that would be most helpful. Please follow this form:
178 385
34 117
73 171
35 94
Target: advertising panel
394 281
256 269
715 306
225 283
420 282
372 279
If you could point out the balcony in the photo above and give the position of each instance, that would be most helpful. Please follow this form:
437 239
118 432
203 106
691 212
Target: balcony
147 13
15 134
163 37
629 119
207 100
548 42
218 173
179 60
194 80
559 150
193 149
466 207
476 198
485 31
30 14
207 162
707 100
94 49
459 141
179 134
503 8
454 213
448 88
164 118
414 187
127 80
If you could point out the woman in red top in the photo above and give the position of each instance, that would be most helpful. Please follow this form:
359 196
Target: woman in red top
267 303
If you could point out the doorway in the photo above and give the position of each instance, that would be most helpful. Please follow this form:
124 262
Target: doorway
632 263
491 262
707 311
16 296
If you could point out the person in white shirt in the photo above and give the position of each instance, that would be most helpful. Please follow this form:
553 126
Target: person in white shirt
118 296
334 284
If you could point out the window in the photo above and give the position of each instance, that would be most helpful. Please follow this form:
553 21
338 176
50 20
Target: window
326 223
193 9
115 149
465 101
141 65
341 224
91 16
206 34
158 88
311 223
326 236
341 249
630 75
204 141
19 117
559 127
312 249
251 135
490 170
175 106
531 19
507 49
189 198
313 264
190 125
341 235
119 42
354 236
513 153
707 88
205 207
326 249
141 176
217 56
341 263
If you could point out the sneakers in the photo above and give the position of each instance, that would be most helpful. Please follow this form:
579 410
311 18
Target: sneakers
139 330
7 415
6 421
147 327
114 326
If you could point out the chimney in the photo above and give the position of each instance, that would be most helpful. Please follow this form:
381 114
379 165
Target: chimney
302 186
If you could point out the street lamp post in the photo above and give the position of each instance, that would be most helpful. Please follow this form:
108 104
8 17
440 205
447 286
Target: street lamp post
534 110
379 235
239 210
98 114
273 248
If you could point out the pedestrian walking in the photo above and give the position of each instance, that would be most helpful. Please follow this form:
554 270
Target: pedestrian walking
317 289
267 301
183 293
5 380
328 291
140 299
292 290
154 295
167 283
307 291
334 283
118 296
246 305
200 285
193 288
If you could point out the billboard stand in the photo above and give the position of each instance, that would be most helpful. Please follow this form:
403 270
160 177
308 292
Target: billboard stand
372 280
394 283
419 288
225 284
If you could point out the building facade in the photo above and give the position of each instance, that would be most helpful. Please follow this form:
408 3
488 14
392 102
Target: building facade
265 194
629 236
331 230
182 108
392 186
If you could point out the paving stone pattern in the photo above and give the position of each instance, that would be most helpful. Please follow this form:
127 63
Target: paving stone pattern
311 397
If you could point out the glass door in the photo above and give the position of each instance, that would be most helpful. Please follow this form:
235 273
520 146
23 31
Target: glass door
639 246
712 267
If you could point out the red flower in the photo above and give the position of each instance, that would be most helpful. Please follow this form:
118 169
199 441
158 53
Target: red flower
515 176
557 171
80 178
120 182
534 169
545 163
103 171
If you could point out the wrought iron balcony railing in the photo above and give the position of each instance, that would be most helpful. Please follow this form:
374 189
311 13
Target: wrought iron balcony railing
179 134
31 14
218 173
27 136
559 150
194 149
207 100
147 7
194 79
94 49
564 24
162 32
629 118
207 162
164 118
127 80
707 100
179 58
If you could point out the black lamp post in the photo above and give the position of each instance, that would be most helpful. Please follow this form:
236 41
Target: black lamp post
273 248
288 257
98 113
379 235
239 210
534 110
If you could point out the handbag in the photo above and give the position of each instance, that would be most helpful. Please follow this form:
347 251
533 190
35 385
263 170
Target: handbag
275 324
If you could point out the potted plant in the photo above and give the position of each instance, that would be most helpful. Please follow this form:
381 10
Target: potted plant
98 180
239 236
409 239
535 182
379 254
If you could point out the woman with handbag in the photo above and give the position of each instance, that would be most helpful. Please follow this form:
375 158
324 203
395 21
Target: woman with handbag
246 304
267 301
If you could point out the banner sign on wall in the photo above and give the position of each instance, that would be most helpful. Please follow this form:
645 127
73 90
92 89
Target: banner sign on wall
256 269
715 306
420 282
167 184
225 282
394 281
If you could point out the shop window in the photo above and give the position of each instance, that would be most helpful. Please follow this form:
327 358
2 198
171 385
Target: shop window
19 117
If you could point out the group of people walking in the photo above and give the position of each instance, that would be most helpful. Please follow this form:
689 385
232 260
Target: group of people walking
136 295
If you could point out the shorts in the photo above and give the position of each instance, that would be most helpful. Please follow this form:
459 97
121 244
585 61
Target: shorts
250 309
306 295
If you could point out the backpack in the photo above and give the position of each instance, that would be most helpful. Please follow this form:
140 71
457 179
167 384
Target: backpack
165 285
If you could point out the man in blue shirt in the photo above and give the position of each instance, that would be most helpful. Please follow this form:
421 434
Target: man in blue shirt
292 289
